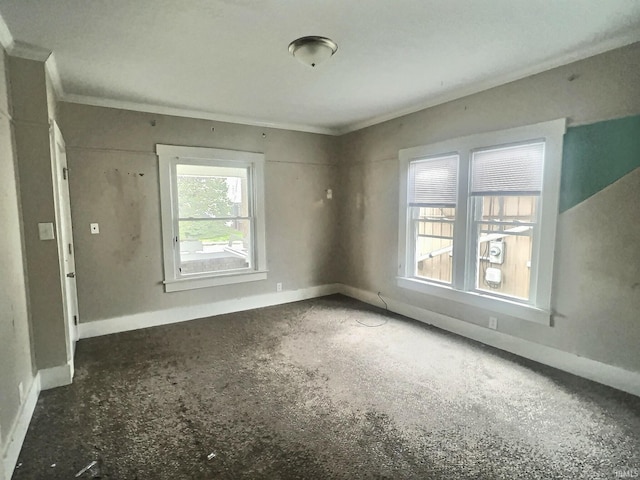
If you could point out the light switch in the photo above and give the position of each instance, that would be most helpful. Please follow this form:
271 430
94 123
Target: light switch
329 194
95 229
45 231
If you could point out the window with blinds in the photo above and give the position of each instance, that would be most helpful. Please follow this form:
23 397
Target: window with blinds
513 170
433 185
434 182
505 185
478 218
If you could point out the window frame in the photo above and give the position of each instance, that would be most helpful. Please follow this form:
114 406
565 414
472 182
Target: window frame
462 288
411 230
171 155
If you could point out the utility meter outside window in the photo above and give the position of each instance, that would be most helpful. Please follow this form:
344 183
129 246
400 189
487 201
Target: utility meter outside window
496 252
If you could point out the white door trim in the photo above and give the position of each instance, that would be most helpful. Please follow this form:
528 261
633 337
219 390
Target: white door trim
64 237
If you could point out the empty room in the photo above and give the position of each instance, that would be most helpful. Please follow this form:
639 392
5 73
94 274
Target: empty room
282 239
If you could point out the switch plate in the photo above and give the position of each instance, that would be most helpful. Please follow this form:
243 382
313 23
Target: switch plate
95 229
45 231
493 323
329 194
279 287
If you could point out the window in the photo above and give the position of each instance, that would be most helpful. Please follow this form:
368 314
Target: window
478 218
433 183
212 205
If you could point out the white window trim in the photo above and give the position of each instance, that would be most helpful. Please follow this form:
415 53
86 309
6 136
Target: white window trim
169 156
538 309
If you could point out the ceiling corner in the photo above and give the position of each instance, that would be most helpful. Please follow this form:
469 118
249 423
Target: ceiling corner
28 51
51 68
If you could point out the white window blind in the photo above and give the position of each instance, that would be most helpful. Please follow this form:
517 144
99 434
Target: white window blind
514 170
433 182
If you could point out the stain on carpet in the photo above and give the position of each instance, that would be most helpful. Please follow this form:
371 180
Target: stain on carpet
306 391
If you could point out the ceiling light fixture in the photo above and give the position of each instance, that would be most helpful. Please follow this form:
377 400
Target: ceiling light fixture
312 50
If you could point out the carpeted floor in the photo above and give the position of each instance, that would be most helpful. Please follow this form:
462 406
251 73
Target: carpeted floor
307 391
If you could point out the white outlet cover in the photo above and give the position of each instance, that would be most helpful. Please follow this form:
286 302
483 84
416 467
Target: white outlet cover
95 229
493 323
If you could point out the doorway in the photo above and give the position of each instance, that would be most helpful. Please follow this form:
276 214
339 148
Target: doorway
65 240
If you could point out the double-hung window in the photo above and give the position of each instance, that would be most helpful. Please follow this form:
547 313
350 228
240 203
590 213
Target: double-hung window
212 204
433 185
478 219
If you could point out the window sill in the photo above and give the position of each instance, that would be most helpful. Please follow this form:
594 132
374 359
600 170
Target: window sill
495 305
218 280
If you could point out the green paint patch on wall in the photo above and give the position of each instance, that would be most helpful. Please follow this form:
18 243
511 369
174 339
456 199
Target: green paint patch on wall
597 155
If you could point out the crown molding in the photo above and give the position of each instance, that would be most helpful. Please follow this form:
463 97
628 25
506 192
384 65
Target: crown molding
28 51
34 52
587 51
183 112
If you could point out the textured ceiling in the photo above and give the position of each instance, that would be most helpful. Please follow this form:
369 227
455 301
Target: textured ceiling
229 60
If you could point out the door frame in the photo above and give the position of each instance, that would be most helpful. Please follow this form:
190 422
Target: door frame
64 235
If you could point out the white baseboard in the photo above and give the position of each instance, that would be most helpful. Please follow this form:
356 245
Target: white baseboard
192 312
615 377
56 376
16 435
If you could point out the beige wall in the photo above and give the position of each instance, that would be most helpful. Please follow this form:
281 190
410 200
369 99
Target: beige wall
353 238
16 365
597 307
114 182
310 240
31 127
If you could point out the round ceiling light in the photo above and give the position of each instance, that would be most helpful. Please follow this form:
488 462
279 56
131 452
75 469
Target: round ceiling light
312 50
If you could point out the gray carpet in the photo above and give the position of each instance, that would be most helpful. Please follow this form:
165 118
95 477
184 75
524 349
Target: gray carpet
307 391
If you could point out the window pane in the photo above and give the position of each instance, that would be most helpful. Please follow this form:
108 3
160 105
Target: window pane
214 245
433 227
509 208
514 169
433 181
212 191
505 226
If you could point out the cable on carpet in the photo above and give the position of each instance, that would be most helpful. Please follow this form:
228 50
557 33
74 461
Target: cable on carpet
386 307
381 323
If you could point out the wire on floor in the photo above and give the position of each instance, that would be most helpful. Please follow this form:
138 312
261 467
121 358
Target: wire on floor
378 324
386 307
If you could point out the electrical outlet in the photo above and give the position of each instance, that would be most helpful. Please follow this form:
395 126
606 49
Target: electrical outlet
21 392
493 323
95 229
279 287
